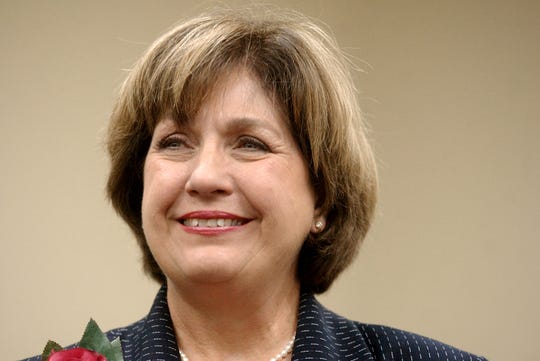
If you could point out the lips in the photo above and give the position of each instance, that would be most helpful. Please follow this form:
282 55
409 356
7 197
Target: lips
211 219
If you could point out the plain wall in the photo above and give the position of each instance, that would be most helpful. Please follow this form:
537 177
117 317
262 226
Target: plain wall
451 90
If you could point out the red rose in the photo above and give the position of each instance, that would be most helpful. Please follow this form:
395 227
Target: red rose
76 354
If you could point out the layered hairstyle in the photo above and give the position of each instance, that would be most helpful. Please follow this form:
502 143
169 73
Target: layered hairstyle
304 72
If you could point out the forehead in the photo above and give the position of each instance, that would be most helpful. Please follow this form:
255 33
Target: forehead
240 91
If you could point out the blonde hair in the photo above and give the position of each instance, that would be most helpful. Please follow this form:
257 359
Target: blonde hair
302 68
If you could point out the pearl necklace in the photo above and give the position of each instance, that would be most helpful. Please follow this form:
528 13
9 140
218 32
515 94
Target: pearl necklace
286 350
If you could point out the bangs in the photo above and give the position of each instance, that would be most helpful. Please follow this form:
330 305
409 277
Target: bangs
175 80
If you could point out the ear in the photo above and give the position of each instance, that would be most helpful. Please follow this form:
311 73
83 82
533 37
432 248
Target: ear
319 221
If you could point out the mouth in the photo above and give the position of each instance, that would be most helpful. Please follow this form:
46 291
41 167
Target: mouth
211 222
211 219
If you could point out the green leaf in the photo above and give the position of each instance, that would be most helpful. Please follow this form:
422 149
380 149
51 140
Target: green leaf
94 339
49 348
116 350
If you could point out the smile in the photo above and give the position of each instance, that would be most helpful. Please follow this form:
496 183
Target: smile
211 223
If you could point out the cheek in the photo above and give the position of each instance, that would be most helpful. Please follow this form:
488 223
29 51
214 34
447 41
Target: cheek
285 188
160 189
295 182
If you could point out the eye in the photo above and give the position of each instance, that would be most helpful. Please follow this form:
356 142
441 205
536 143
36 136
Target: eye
252 144
172 142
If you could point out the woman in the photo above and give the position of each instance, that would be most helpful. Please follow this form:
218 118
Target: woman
240 163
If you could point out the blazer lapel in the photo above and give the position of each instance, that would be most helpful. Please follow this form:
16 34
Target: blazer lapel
323 335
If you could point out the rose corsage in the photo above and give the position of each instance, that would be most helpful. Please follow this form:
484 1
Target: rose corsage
94 346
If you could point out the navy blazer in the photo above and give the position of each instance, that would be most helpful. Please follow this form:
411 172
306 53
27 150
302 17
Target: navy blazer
320 335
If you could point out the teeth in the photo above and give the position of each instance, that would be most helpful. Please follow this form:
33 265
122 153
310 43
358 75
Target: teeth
211 223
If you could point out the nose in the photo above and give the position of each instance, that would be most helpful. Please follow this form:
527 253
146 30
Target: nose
209 175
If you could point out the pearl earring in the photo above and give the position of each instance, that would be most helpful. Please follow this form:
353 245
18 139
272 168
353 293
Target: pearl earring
319 226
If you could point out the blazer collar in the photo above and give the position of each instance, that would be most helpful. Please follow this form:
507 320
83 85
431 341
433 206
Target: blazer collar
320 333
323 335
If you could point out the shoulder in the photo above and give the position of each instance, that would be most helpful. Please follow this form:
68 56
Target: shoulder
323 335
143 340
124 334
388 343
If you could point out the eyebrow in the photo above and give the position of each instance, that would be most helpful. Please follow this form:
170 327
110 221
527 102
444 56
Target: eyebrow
244 123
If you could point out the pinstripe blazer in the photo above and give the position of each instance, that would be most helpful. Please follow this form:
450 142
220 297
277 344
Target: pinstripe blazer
320 335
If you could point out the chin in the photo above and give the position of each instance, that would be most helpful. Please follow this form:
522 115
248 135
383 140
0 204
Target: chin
210 271
211 276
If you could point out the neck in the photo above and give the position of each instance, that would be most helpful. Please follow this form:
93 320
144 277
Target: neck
220 322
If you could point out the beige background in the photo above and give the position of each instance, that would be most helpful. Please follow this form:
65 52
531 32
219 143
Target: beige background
451 90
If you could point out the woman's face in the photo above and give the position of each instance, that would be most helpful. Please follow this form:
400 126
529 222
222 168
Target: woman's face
228 195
